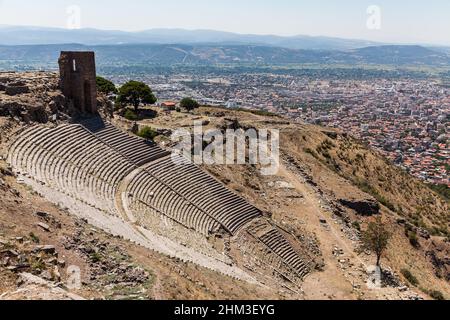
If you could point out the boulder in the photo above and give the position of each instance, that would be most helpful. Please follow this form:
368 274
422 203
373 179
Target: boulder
5 80
364 207
42 214
44 226
15 90
7 172
49 249
424 233
25 116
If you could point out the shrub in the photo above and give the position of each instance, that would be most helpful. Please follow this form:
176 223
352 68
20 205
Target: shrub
96 257
131 115
147 133
412 237
436 295
356 225
443 190
385 202
37 265
263 113
311 152
414 240
148 114
410 277
34 238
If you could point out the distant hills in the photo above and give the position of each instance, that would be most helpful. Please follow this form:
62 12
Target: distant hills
403 55
203 54
10 35
39 47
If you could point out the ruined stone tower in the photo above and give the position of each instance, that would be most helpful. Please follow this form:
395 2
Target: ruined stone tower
77 72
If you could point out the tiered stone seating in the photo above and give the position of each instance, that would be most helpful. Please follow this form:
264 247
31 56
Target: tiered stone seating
278 243
193 184
138 150
187 181
180 185
72 160
91 160
162 199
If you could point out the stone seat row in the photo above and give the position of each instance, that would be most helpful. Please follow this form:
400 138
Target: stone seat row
138 150
72 160
145 188
279 244
232 211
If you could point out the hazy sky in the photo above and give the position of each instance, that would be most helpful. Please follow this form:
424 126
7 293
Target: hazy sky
424 21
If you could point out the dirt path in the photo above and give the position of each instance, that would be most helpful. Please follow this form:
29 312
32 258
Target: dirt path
345 274
331 283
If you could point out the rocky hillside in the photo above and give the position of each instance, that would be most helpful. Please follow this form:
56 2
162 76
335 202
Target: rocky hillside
330 186
41 245
327 189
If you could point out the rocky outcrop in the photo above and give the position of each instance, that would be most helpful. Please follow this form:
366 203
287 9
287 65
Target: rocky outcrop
36 97
32 287
12 90
364 207
30 97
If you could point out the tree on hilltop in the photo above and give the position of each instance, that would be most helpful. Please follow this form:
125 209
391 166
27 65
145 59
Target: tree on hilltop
135 93
105 86
189 104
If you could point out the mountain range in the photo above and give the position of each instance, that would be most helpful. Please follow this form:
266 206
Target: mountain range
201 54
39 47
12 35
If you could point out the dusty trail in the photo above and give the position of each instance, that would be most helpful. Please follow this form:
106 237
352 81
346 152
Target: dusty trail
331 282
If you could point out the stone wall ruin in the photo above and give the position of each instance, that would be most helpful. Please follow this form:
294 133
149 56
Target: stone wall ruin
78 80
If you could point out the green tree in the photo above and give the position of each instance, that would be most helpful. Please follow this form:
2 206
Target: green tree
105 86
376 238
135 93
131 115
147 133
189 104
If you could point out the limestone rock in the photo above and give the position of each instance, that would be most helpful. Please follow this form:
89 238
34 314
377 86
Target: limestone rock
44 226
46 249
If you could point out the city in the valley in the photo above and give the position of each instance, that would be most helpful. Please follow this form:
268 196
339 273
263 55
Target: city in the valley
405 118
